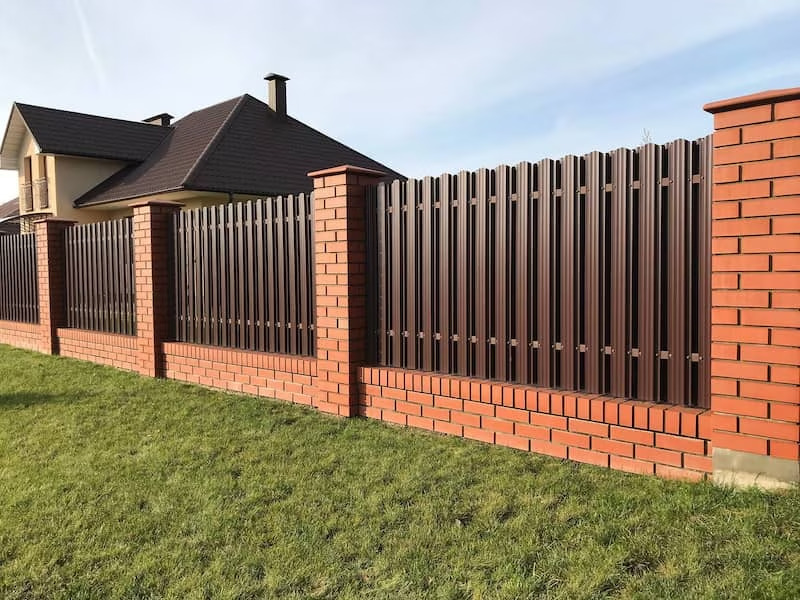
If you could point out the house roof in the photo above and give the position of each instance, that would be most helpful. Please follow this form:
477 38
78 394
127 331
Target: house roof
9 210
238 146
77 134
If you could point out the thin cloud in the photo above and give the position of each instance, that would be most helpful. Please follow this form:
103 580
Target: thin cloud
88 44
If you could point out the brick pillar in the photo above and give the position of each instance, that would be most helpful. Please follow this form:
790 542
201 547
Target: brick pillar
755 363
52 275
151 246
340 280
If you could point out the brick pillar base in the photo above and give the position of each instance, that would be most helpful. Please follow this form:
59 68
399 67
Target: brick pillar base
151 223
340 280
755 364
52 280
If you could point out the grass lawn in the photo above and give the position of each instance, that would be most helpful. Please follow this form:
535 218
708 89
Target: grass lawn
116 486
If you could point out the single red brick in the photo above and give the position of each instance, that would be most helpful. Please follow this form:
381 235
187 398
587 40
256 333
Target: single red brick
767 207
740 298
788 186
742 443
588 456
769 169
512 441
658 455
532 431
740 262
615 447
770 244
448 428
787 110
479 434
787 147
682 474
726 173
787 450
743 116
770 281
725 245
567 438
497 425
588 427
680 444
780 374
550 421
771 131
465 419
739 406
543 447
636 436
740 191
727 137
632 466
438 414
741 154
738 370
771 354
420 422
789 432
512 414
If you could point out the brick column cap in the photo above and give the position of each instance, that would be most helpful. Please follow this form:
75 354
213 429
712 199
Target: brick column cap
165 203
767 97
347 169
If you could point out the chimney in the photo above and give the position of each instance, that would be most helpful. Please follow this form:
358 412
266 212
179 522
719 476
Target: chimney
164 120
277 92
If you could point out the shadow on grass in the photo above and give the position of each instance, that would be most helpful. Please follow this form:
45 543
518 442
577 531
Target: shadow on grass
26 399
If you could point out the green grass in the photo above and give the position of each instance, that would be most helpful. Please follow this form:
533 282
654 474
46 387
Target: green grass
116 486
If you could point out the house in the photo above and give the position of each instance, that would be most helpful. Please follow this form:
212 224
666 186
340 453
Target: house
90 168
9 217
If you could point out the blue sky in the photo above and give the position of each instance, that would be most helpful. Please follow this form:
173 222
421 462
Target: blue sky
423 86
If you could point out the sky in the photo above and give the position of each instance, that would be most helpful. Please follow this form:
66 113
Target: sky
423 86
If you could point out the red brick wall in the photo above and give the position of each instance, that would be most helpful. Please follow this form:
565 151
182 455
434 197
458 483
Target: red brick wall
21 335
110 349
756 275
278 376
627 435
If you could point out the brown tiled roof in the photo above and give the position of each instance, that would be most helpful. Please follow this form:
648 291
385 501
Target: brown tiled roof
9 209
239 146
78 134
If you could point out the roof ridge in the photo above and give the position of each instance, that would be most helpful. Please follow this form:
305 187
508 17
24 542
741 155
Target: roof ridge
214 141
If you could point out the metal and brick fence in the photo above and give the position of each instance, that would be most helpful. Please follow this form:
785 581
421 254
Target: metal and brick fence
587 273
613 309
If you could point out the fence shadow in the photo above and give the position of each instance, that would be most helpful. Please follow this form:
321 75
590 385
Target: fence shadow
26 399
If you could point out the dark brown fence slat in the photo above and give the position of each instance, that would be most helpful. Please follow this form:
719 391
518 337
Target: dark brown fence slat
445 272
303 275
679 182
619 269
410 296
481 310
427 261
566 271
383 266
463 263
396 315
522 279
544 190
646 352
502 297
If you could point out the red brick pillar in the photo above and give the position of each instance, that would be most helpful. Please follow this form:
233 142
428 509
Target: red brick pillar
755 364
52 275
341 289
151 247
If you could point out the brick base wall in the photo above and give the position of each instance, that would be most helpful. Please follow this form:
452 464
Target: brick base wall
21 335
630 436
109 349
278 376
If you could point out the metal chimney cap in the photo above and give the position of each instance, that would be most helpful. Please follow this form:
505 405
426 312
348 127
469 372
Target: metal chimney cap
275 77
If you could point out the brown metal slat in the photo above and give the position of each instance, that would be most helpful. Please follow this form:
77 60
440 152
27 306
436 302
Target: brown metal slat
224 273
271 284
592 275
396 275
621 185
281 291
261 317
703 257
444 274
427 307
233 275
411 275
291 253
382 266
241 276
522 280
502 289
545 169
569 189
464 265
250 253
679 188
646 351
303 275
481 310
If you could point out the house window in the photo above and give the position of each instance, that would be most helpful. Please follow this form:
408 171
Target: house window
27 184
40 185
